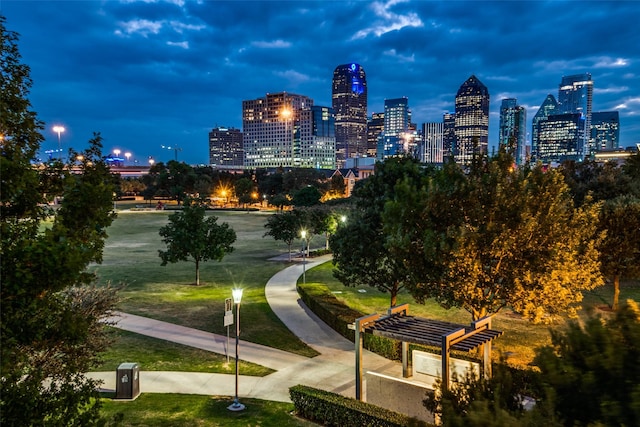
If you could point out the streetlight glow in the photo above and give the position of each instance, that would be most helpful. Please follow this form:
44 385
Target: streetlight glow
237 298
127 155
303 234
59 129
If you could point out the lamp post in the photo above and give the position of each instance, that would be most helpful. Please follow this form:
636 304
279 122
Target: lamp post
303 234
59 130
237 297
127 156
117 153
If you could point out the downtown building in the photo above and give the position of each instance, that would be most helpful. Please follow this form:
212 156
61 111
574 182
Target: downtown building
226 148
398 136
575 96
548 108
559 138
286 130
431 148
349 103
513 129
375 127
471 120
605 131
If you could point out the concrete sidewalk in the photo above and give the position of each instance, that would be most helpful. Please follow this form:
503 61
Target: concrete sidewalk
333 370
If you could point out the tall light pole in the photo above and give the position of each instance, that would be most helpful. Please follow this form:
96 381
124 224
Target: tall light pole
117 153
237 298
127 156
303 234
175 149
59 129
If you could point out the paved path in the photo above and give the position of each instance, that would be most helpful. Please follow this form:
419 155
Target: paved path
333 369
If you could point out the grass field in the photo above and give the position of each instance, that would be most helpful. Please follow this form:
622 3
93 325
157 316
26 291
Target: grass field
185 410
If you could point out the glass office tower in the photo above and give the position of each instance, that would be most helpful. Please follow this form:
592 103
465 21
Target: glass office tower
575 95
513 133
349 102
472 120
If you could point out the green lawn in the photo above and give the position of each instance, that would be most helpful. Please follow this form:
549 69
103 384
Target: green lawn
185 410
167 293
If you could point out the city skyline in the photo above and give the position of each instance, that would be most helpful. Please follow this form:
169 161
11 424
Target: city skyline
149 74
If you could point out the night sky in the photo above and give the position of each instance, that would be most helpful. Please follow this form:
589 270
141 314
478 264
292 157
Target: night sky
151 73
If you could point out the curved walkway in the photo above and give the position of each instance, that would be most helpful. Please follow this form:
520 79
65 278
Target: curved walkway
332 370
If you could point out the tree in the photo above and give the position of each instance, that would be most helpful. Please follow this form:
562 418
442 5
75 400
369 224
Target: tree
495 237
360 255
284 226
189 235
52 323
244 188
591 372
620 249
308 196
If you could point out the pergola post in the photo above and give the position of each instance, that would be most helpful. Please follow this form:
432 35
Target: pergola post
447 341
360 323
405 359
485 323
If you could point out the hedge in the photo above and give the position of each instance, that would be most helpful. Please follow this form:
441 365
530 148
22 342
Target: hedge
334 410
338 316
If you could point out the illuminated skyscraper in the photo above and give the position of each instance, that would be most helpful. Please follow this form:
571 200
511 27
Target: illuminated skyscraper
513 132
472 120
271 127
349 102
549 107
605 130
396 138
431 150
225 148
448 135
575 95
559 137
375 127
317 140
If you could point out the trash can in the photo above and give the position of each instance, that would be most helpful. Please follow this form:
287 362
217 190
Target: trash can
127 381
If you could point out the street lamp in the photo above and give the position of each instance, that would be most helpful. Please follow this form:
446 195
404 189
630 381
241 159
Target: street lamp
303 234
59 130
117 153
151 161
127 155
237 297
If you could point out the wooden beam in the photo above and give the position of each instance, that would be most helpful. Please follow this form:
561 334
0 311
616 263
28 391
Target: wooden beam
361 322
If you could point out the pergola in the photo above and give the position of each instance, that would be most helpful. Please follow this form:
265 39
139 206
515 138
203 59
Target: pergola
399 325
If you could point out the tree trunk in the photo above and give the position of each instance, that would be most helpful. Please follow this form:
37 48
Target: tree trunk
616 291
197 272
394 297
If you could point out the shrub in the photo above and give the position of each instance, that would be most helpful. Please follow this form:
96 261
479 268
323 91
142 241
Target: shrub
334 410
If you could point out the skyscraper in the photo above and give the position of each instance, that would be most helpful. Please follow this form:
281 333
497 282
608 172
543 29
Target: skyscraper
448 135
349 102
559 137
375 127
575 95
271 127
513 132
472 120
226 148
549 107
317 141
431 147
605 130
396 136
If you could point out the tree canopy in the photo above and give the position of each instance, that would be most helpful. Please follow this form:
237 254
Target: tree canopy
190 235
52 327
493 237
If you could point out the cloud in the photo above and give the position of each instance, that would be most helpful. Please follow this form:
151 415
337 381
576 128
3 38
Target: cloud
184 45
140 26
606 62
275 44
402 58
293 76
389 21
614 89
180 27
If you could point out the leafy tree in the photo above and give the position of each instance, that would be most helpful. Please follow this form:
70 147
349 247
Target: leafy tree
600 181
592 372
191 235
284 226
308 196
52 325
244 188
494 237
359 247
620 249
